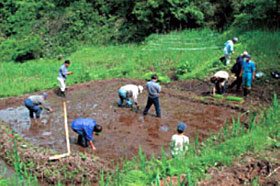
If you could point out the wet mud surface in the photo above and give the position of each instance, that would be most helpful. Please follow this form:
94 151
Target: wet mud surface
123 130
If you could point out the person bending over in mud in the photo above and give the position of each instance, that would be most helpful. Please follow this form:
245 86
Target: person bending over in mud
128 91
179 142
220 79
33 104
86 127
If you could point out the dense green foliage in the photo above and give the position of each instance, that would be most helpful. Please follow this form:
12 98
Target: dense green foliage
42 28
220 149
178 55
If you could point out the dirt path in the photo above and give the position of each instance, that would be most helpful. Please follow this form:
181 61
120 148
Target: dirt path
124 130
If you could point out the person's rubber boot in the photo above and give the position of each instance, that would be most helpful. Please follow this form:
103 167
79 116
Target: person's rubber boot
63 94
80 140
245 92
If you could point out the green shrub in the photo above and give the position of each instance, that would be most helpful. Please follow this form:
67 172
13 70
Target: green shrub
21 49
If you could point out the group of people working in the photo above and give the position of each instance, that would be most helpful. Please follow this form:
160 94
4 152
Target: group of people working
244 70
87 127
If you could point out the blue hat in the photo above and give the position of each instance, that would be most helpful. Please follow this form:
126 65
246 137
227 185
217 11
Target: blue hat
181 126
45 95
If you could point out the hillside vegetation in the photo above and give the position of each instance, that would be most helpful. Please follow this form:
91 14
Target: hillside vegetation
33 29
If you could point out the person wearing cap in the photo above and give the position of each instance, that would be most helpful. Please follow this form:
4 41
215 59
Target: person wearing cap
128 91
86 128
153 89
179 142
229 50
33 104
220 79
62 75
236 69
248 72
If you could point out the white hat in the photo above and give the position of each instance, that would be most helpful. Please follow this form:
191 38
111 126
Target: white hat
245 53
235 39
140 87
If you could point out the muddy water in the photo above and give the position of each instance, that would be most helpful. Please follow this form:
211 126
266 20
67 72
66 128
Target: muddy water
123 130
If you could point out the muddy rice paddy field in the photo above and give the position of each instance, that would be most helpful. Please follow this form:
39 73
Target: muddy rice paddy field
123 130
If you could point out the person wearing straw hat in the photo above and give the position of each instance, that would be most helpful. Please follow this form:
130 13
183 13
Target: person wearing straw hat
33 104
247 73
179 142
236 69
127 92
228 50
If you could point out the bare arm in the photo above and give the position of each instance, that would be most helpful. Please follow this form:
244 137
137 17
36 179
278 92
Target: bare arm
92 146
254 73
68 73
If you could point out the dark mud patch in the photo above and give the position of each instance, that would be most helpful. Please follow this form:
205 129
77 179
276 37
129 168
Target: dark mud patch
257 169
123 130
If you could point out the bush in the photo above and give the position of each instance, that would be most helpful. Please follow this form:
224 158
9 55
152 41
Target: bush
21 49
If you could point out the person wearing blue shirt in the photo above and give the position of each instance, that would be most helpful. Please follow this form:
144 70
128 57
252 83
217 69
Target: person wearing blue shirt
86 127
248 72
228 50
62 75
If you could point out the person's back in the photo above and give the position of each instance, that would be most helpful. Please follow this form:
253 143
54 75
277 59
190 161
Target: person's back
179 142
153 89
84 124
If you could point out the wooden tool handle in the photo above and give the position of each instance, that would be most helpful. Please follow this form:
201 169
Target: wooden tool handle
66 127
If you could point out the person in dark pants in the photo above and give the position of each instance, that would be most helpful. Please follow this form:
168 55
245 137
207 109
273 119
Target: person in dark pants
33 104
153 89
85 128
236 69
219 79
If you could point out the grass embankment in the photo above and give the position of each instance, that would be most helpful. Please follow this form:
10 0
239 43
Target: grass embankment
183 55
221 149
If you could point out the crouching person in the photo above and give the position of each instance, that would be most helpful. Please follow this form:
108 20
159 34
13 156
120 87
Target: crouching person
220 79
127 92
179 142
86 128
34 103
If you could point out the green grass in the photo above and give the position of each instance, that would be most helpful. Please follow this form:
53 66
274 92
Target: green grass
188 54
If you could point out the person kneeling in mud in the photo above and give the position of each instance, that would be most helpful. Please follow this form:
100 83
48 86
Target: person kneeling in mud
220 79
86 128
128 91
179 142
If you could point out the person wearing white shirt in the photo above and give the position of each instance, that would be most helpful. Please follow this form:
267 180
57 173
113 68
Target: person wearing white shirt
220 79
179 142
229 49
129 91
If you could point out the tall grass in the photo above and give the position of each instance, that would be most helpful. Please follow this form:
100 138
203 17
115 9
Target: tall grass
185 54
233 141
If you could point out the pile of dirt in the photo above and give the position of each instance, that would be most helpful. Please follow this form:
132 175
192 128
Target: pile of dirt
75 169
259 169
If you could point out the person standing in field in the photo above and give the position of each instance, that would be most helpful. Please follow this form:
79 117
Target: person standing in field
229 50
33 104
153 89
248 72
220 79
236 69
128 91
86 128
179 142
62 75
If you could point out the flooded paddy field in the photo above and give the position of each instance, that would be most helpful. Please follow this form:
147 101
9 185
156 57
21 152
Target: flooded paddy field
123 130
